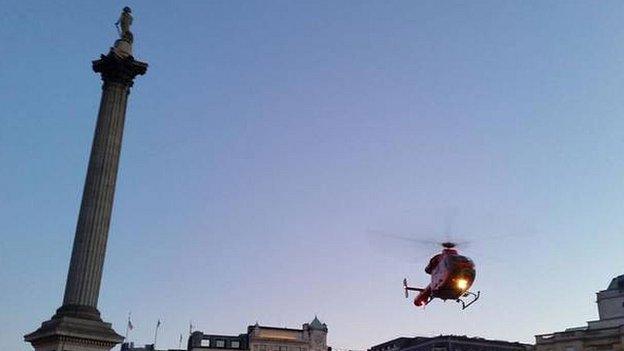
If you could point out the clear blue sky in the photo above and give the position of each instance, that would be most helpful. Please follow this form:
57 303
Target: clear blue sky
268 138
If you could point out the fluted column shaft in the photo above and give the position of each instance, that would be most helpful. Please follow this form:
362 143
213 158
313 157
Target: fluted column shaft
87 260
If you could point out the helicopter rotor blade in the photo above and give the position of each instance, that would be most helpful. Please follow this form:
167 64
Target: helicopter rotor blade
416 240
403 248
462 244
406 238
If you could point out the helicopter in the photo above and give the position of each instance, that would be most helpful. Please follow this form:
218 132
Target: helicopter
452 275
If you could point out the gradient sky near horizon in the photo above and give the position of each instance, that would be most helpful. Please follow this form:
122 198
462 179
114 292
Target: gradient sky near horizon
269 138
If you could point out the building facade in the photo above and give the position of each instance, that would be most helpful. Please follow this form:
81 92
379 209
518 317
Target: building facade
207 342
449 343
311 337
604 334
128 346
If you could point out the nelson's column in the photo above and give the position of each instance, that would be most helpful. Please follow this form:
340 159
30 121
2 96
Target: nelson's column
77 325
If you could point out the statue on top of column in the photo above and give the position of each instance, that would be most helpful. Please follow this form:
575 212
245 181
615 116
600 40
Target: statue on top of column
125 21
123 45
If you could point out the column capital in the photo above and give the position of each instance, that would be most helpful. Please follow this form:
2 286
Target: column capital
117 69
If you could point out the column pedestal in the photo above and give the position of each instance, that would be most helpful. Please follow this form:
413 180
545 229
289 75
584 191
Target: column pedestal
75 334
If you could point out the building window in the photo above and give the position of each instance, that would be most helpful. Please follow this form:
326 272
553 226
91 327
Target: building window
205 343
570 348
438 348
220 343
263 348
235 344
283 348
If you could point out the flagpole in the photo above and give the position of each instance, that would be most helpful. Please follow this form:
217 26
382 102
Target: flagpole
156 333
127 327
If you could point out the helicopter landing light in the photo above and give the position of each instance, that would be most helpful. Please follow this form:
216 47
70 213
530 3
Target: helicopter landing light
462 283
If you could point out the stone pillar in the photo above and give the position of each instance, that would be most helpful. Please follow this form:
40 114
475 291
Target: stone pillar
85 270
77 325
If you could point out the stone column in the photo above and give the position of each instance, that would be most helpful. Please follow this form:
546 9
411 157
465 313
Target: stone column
85 270
77 325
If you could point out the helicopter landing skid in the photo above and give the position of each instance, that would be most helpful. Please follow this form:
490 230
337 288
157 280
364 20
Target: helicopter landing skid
474 296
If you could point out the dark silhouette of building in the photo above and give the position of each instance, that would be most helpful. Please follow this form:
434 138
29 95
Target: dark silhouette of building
449 343
129 346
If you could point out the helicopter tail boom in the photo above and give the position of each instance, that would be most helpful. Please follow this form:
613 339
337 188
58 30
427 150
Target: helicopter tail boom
409 288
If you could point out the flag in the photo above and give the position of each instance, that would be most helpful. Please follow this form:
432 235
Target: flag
130 326
190 327
180 342
158 324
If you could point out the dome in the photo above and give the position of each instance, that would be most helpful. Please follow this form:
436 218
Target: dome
316 324
617 283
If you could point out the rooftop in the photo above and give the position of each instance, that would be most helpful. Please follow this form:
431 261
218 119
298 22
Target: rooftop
617 283
316 324
406 343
